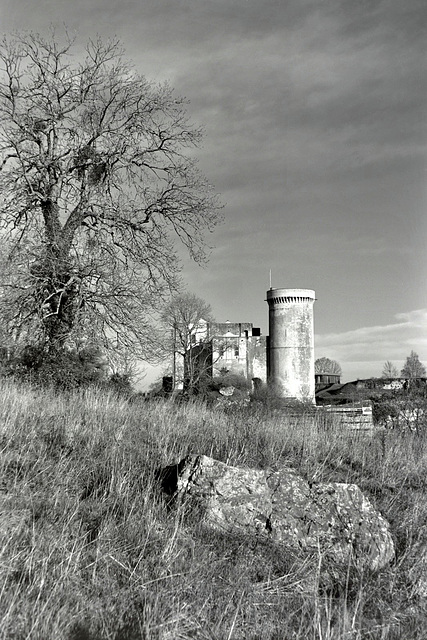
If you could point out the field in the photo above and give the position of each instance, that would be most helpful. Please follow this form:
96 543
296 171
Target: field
91 551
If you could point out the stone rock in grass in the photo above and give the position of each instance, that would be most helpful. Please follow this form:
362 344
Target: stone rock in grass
334 519
226 391
232 498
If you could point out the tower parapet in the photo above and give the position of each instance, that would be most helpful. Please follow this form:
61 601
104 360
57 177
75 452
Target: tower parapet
291 343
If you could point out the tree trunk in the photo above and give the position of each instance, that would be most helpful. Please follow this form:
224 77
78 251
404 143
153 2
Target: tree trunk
57 283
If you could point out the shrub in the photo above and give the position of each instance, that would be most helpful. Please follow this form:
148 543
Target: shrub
230 379
120 383
64 369
384 409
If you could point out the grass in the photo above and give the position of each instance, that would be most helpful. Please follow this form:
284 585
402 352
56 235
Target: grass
90 551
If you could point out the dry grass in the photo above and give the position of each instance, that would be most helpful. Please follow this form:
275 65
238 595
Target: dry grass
90 551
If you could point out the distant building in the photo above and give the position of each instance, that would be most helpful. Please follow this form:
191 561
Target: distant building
327 378
348 392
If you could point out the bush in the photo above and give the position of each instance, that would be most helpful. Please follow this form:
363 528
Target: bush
229 379
384 409
64 369
120 383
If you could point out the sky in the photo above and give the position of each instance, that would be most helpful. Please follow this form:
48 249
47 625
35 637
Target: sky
314 114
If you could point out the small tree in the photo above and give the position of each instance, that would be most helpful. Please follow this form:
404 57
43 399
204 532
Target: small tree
390 370
184 316
326 365
413 368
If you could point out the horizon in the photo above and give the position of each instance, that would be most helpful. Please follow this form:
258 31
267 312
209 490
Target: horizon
334 348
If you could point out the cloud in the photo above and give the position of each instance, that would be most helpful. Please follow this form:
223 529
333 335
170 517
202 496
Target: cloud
315 137
363 352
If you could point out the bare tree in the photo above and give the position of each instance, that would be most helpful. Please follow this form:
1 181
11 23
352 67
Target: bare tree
187 317
326 365
390 370
97 180
413 368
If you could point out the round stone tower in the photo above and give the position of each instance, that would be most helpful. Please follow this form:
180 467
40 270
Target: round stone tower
290 355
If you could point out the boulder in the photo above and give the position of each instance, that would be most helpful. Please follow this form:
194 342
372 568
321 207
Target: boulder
226 391
230 397
334 519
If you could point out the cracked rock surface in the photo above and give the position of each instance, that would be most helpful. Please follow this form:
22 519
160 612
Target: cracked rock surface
334 518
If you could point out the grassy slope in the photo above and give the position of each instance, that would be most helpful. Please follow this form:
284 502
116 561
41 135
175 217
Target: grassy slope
89 550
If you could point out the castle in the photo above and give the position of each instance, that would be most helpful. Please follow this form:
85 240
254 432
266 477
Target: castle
284 359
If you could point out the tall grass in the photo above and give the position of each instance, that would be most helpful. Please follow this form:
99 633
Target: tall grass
90 549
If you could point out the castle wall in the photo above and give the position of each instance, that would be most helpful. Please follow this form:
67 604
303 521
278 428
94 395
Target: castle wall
238 348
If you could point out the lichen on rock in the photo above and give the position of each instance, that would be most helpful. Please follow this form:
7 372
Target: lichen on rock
335 519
